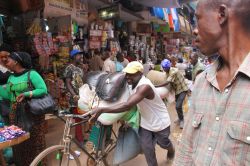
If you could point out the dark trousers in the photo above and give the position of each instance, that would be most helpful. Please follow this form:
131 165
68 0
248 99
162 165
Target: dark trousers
179 103
148 139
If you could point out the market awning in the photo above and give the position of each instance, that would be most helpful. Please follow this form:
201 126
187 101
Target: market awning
163 3
123 13
127 15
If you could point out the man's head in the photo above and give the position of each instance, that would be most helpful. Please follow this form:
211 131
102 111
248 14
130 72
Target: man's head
166 65
76 55
120 57
218 20
133 72
194 58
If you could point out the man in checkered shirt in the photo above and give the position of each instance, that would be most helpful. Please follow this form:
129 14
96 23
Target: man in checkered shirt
217 128
179 85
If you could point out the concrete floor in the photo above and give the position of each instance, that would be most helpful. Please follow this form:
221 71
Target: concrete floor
56 126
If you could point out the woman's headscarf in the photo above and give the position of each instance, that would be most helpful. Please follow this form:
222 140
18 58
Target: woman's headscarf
22 58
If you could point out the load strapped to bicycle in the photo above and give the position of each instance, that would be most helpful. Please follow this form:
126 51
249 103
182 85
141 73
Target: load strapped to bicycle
101 90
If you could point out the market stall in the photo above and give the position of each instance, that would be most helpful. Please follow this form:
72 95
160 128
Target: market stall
10 136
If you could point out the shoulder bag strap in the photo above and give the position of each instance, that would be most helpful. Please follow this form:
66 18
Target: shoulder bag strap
30 87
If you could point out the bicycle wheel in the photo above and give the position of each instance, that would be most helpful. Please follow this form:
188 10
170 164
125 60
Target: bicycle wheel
55 157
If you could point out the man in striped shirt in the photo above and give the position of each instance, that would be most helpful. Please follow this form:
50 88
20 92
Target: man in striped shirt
217 128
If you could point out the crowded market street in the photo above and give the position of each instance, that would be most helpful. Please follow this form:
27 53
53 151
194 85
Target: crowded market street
56 130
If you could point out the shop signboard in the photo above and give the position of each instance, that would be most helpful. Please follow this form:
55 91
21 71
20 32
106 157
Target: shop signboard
75 8
110 12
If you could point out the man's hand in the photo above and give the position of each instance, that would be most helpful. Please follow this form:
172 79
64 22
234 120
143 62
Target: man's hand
20 98
95 113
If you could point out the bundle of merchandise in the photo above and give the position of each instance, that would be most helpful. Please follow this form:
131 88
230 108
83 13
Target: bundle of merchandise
44 47
35 27
10 133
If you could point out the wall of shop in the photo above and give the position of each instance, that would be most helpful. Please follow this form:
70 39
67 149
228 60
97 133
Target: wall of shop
75 8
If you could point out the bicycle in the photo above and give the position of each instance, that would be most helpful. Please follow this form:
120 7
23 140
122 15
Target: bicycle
66 156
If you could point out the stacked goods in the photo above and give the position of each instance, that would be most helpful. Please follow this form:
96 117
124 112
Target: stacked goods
10 133
44 47
44 44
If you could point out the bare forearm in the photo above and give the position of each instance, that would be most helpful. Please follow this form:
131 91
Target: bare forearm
123 107
161 85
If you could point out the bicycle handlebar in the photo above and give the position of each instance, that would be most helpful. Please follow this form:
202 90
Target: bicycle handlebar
83 116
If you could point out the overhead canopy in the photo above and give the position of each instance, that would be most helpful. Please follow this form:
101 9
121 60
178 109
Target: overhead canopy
163 3
127 15
124 14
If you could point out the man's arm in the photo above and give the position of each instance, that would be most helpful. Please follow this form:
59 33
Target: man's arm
161 85
183 156
170 79
144 91
187 144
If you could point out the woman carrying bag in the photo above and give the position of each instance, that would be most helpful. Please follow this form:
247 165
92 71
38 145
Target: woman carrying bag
17 91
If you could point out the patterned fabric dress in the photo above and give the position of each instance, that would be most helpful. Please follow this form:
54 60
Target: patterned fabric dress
25 152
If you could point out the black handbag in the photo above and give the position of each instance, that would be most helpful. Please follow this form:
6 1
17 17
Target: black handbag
23 118
40 105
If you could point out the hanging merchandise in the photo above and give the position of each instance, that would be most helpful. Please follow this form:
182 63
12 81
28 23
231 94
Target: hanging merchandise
44 47
35 27
95 39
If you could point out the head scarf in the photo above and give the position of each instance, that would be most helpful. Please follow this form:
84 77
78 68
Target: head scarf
22 58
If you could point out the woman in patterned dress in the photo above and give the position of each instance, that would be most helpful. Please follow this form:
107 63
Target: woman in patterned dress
16 91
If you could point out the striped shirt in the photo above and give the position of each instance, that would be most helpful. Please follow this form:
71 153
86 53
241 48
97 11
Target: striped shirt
217 129
177 81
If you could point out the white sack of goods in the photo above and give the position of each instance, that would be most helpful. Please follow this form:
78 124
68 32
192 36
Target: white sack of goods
158 78
110 118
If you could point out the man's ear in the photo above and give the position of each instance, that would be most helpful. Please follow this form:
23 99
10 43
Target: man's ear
223 14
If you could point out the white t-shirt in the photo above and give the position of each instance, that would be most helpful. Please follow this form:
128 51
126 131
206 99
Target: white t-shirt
154 113
3 69
109 66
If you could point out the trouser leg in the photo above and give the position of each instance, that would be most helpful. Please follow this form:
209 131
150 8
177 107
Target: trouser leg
179 102
162 138
148 146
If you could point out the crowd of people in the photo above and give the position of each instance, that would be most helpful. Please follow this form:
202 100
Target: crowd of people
216 129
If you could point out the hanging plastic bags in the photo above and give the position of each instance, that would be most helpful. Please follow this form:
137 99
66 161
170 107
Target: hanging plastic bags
127 147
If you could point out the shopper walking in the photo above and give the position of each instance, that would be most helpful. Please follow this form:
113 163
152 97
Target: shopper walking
179 85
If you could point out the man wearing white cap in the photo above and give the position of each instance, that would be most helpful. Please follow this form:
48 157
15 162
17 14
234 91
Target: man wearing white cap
155 121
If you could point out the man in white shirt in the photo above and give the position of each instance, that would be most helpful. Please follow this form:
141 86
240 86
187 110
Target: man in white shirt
155 120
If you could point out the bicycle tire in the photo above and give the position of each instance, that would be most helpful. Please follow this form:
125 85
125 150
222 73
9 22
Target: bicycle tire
50 150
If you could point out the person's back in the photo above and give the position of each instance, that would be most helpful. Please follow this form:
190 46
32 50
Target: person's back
177 81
